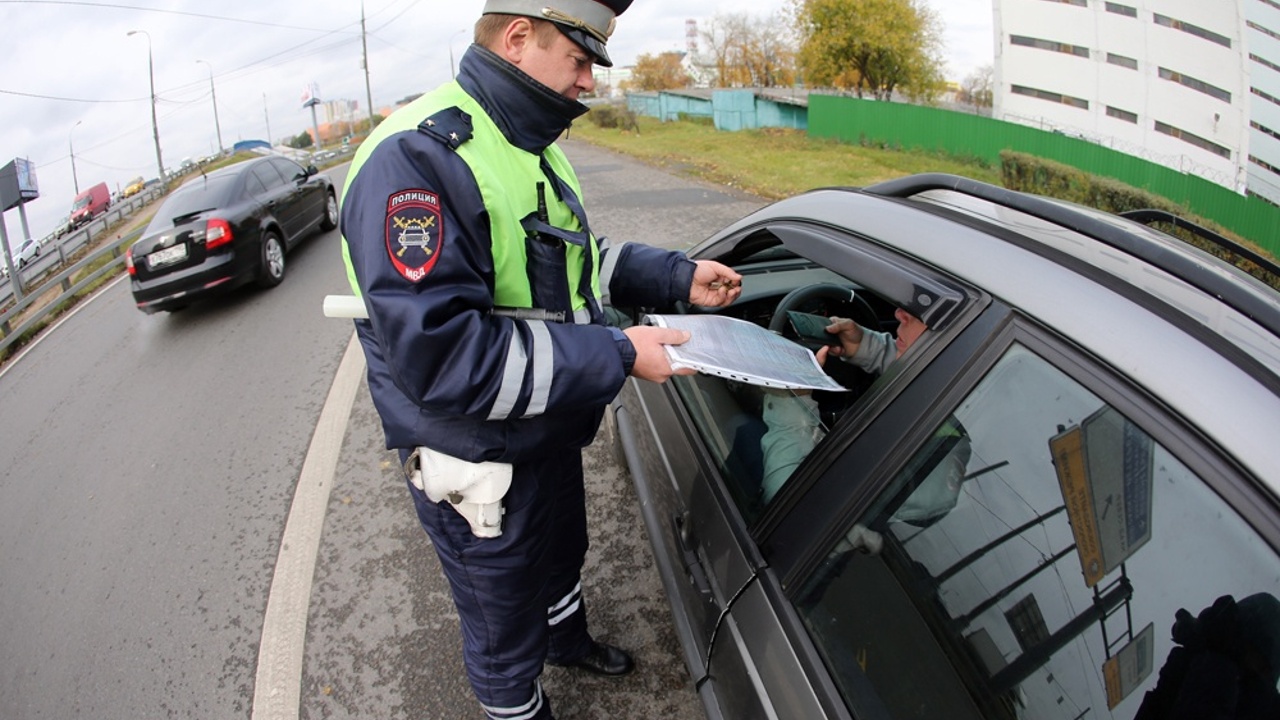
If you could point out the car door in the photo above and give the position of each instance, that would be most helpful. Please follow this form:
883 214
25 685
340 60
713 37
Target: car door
695 447
279 199
1090 530
307 199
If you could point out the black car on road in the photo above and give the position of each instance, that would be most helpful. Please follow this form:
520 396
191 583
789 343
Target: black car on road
1062 500
227 228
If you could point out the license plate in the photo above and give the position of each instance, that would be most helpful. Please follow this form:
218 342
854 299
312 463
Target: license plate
167 256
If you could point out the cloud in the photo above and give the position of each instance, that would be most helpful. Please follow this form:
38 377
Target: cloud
262 54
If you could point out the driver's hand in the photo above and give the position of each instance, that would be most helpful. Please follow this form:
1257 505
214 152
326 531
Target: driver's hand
821 357
850 334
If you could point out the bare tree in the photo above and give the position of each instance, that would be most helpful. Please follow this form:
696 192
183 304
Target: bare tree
977 87
747 51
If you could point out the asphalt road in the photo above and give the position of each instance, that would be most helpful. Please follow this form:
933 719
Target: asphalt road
150 467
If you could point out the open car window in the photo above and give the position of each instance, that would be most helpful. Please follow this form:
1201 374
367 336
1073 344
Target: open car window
1033 558
760 437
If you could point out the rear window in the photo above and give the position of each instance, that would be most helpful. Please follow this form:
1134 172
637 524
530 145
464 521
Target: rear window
196 196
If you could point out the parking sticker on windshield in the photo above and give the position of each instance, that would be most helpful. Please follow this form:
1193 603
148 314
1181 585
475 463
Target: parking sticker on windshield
414 226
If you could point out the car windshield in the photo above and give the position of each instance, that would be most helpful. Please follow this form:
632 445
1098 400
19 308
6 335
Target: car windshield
195 197
82 201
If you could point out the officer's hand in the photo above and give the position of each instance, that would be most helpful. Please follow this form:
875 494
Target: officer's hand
714 284
651 360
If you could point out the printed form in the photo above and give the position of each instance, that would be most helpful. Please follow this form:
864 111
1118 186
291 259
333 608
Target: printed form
743 351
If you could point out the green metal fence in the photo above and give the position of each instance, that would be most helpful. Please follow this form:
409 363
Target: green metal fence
910 126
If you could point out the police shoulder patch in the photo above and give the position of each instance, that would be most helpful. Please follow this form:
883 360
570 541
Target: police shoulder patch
415 232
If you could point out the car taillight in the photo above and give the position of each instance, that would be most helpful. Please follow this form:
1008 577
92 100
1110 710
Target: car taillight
216 232
128 262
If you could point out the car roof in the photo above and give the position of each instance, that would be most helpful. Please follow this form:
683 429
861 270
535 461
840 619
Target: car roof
1215 364
237 168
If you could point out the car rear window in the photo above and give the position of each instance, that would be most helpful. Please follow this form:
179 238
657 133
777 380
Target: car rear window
196 196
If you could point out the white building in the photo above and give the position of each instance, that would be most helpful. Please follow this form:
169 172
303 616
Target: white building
1189 84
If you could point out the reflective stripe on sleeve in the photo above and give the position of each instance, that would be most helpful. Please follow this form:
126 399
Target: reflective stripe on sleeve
610 253
512 379
544 368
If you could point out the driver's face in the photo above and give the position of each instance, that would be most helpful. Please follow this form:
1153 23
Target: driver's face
910 328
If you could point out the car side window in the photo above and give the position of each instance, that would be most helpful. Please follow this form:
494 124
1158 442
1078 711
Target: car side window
253 186
267 174
290 171
1033 559
759 437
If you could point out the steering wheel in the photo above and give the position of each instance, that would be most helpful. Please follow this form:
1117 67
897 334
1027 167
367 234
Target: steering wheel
860 310
856 380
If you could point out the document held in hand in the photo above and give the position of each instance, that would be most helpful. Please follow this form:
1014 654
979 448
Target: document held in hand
743 351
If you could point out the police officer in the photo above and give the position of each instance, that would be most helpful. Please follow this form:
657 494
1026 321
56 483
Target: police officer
489 359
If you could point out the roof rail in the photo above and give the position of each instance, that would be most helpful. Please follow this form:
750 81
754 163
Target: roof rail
1148 216
1242 298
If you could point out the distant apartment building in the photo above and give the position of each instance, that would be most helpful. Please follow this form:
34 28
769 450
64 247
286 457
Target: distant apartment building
1189 84
335 111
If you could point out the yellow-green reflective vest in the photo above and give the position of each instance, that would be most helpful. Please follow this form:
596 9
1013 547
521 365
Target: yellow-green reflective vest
507 177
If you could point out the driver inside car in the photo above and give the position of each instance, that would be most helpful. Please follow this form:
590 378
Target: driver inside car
793 428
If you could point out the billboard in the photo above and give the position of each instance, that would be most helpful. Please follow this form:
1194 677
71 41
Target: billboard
311 95
18 183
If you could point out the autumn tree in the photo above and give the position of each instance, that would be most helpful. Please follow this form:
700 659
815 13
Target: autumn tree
663 71
746 51
871 46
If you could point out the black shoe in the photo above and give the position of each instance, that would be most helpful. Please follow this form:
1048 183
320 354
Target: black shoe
603 659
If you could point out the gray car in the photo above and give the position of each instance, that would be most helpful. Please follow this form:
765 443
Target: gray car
1059 502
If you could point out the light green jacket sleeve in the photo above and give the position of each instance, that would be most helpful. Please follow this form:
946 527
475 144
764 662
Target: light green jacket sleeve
793 431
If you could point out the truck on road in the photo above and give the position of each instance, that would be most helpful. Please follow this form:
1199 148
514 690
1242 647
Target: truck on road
90 204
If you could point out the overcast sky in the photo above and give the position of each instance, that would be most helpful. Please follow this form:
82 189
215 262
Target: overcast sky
71 77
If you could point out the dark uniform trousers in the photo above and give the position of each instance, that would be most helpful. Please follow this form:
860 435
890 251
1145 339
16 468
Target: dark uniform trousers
518 595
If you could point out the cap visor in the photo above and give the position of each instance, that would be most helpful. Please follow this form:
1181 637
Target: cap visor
588 43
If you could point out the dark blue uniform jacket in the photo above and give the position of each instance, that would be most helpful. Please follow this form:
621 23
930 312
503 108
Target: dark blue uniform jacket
437 357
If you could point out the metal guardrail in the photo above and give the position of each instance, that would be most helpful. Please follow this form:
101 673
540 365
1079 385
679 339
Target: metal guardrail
72 241
9 335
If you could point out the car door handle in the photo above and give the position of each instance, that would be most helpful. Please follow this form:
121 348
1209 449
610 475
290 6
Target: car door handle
689 553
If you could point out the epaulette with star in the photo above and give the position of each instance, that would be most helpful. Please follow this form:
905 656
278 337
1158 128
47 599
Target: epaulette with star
450 126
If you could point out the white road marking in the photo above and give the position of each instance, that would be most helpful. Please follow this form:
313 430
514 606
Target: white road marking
277 690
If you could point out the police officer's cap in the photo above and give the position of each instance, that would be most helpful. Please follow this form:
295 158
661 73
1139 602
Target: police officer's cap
586 22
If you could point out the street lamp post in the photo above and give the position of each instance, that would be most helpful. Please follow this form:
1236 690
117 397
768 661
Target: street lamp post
155 126
74 181
453 72
216 125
